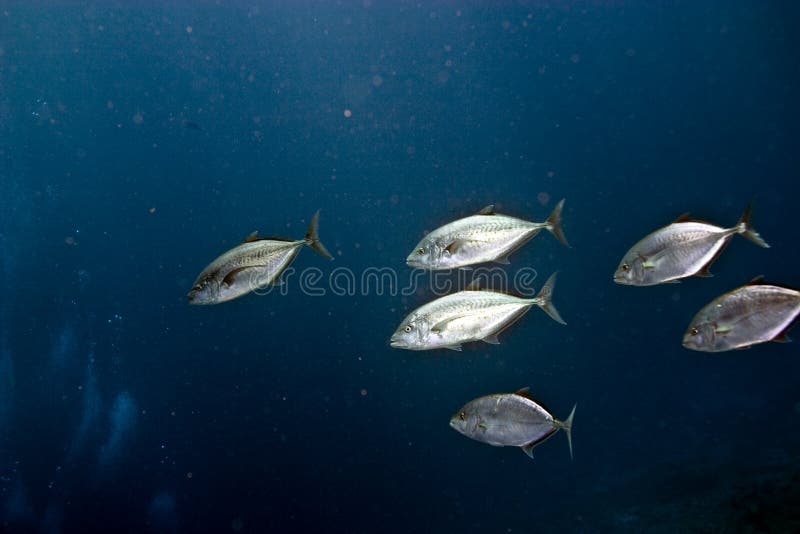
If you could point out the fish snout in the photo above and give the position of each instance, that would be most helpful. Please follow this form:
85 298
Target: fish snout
411 261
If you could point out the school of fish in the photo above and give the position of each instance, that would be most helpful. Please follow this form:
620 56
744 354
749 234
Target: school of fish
754 313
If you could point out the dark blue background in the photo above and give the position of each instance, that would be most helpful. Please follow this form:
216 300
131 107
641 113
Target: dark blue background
633 113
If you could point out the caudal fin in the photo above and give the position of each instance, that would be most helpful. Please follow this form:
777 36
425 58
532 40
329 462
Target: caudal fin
544 299
554 223
747 230
567 426
312 238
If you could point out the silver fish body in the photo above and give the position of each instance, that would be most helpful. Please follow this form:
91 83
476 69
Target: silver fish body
509 420
251 265
682 249
467 316
484 237
748 315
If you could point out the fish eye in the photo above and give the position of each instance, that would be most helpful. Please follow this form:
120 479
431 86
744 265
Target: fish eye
694 331
420 250
407 329
625 266
462 416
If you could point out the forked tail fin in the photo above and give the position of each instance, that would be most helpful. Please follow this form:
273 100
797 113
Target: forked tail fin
554 223
746 228
567 426
312 238
544 299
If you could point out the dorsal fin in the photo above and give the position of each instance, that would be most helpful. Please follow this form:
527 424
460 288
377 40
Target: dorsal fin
683 218
488 210
524 392
252 237
756 281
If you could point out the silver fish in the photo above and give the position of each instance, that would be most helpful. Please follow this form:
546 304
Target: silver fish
469 315
480 238
251 265
682 249
751 314
510 420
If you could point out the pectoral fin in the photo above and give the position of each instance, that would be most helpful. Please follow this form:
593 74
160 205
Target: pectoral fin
441 325
454 347
231 276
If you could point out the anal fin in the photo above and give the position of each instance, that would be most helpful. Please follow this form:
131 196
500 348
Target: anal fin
528 449
491 339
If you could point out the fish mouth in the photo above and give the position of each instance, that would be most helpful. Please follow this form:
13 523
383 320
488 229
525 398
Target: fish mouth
397 343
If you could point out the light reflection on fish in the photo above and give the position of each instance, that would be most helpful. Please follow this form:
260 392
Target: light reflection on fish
466 316
682 249
748 315
510 420
484 237
251 265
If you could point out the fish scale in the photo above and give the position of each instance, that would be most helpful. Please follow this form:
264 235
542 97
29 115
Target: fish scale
253 264
467 316
751 314
509 420
480 238
678 250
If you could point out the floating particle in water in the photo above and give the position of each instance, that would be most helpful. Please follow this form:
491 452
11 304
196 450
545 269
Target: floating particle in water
348 113
575 58
70 240
138 118
152 210
550 174
377 81
363 392
189 29
543 197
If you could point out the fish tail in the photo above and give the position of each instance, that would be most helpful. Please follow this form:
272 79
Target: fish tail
745 227
312 238
567 426
554 223
544 299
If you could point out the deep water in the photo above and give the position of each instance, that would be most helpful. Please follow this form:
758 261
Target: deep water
138 141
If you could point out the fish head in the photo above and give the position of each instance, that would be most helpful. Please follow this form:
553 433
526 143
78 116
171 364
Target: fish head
701 335
411 334
205 291
467 421
631 270
425 255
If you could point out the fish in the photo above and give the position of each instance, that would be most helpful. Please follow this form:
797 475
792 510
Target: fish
466 316
480 238
748 315
253 264
684 248
510 420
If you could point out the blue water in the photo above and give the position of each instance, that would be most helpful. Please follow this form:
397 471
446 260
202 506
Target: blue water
139 142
